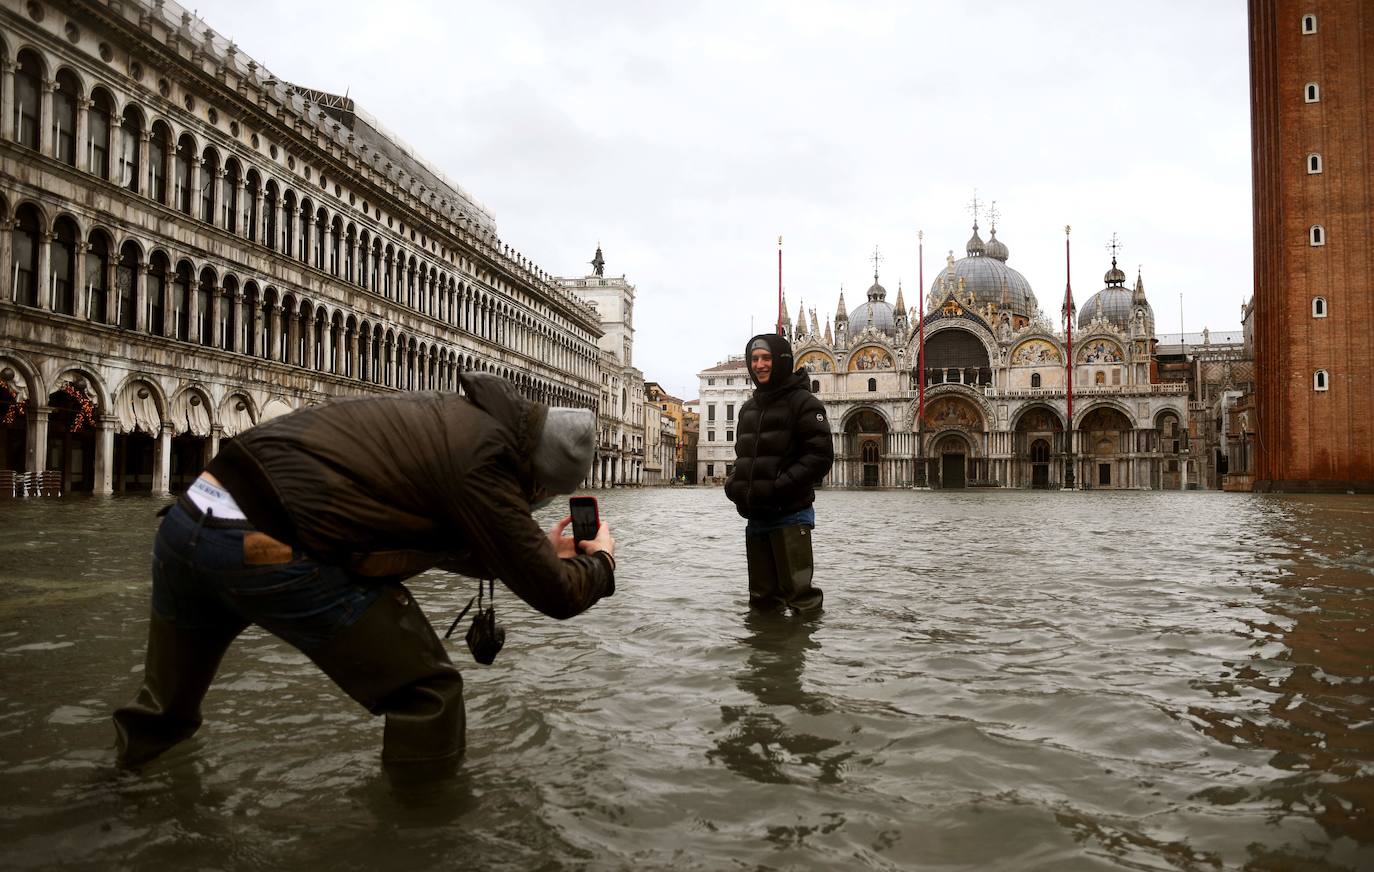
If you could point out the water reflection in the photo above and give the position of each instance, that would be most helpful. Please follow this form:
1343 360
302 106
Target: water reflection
1000 681
759 743
1306 696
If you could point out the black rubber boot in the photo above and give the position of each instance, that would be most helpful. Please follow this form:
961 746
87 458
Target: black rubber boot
763 574
392 663
178 669
792 554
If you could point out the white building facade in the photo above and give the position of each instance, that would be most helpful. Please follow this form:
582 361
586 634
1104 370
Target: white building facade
191 245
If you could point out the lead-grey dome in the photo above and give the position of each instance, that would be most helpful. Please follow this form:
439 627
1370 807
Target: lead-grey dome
1116 300
986 274
876 308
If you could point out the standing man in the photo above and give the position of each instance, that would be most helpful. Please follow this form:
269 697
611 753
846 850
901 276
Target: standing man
307 525
782 450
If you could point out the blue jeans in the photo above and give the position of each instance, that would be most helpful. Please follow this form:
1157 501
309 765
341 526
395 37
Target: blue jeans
201 581
760 528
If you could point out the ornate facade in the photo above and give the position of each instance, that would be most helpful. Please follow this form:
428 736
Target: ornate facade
191 245
621 428
996 404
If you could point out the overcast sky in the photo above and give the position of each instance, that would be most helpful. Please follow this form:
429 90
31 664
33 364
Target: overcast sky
685 137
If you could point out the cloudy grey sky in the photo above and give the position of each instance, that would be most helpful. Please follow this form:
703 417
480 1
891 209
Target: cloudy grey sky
686 137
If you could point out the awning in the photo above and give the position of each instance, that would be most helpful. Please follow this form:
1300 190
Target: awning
137 410
235 416
191 414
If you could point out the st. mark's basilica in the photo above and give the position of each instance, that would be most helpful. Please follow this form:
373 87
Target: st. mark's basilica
996 404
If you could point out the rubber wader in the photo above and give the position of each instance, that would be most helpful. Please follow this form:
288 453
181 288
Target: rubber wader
780 570
393 664
177 671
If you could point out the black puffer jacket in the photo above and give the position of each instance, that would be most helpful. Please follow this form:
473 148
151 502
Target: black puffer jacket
392 485
782 441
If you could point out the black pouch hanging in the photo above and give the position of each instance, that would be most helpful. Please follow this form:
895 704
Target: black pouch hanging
484 637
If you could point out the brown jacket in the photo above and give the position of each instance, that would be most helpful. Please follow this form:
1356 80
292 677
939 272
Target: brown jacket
393 485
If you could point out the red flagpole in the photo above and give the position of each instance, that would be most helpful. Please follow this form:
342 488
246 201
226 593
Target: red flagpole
921 314
778 328
1068 334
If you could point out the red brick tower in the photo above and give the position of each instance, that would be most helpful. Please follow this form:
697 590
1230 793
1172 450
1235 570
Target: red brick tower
1312 127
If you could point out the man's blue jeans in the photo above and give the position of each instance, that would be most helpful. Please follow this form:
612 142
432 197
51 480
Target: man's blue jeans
761 528
202 580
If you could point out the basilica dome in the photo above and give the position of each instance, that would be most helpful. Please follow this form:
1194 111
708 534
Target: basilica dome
877 309
1116 301
986 274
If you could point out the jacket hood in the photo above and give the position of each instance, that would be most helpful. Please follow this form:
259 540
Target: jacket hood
781 350
503 401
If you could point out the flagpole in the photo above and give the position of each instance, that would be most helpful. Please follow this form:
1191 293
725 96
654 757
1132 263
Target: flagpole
1068 328
778 328
922 473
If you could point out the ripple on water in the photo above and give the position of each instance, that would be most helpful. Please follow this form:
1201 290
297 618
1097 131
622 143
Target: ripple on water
1001 680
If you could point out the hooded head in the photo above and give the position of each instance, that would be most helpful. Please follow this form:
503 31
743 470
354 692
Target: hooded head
769 358
563 451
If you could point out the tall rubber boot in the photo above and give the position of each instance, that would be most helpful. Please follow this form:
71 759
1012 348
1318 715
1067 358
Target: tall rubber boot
178 669
792 553
393 664
763 574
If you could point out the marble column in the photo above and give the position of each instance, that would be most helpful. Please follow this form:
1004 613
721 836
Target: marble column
37 452
162 472
104 454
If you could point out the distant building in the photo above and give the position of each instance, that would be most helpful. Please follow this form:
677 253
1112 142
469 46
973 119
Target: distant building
1312 110
664 411
192 245
996 410
724 388
691 432
620 455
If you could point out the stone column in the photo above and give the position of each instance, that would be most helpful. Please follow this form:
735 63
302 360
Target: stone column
111 279
194 184
45 287
216 306
331 262
141 297
252 208
273 349
38 436
216 433
350 368
7 100
80 292
7 259
279 243
83 149
219 215
47 143
162 471
104 455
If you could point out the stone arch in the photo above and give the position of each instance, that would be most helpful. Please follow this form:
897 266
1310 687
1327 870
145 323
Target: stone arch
140 404
191 411
236 413
275 408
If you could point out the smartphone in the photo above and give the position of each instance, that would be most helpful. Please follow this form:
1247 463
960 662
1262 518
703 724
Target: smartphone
586 519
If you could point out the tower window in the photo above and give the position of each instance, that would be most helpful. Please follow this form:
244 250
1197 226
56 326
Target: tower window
873 384
1309 24
1312 93
1035 379
1319 307
1319 380
1314 163
1316 235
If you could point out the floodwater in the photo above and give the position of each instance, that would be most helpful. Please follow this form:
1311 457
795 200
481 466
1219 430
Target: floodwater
1000 680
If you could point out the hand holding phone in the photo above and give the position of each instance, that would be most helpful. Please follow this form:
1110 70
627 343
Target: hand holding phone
586 518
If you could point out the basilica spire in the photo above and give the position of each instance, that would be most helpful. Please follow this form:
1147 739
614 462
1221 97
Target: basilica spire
841 313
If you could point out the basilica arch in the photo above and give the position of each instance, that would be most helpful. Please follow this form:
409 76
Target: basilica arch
1038 447
865 459
1107 439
